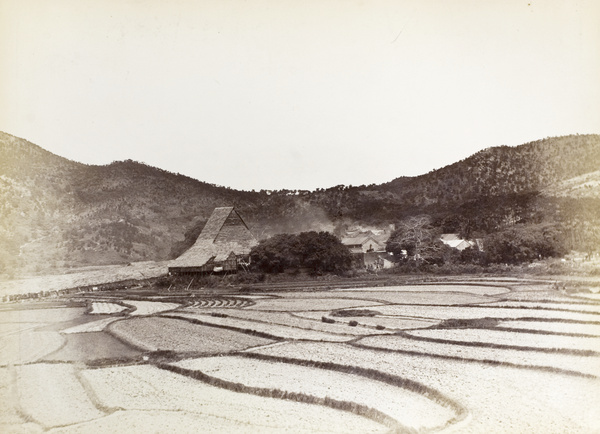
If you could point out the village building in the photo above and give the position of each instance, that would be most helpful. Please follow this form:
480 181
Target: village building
368 250
378 260
363 243
223 246
454 241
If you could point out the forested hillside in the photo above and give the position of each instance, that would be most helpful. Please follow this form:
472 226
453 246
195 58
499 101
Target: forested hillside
503 170
57 214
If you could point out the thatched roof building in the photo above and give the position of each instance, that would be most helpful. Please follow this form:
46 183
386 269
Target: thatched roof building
222 244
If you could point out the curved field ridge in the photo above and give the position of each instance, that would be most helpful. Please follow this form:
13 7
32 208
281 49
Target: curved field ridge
292 319
449 288
106 307
524 360
92 346
29 346
554 327
546 361
277 330
400 297
389 322
94 326
307 304
169 334
474 312
547 305
11 418
177 403
500 399
149 307
65 399
510 339
411 410
222 302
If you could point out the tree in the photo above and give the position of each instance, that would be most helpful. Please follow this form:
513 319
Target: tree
275 254
524 243
317 251
323 252
418 238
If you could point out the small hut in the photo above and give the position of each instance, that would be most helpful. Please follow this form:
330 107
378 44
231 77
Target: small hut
222 246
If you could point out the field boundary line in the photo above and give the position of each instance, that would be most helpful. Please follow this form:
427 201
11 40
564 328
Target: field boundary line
19 409
550 369
92 395
117 336
232 328
430 393
280 324
347 406
566 351
532 308
540 332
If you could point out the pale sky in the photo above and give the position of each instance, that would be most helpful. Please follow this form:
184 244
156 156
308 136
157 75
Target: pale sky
296 94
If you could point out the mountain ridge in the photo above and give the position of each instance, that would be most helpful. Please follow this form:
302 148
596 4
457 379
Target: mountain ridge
56 213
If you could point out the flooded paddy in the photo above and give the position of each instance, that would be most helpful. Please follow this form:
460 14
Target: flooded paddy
466 358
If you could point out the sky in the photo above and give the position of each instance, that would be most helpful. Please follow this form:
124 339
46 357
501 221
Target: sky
296 94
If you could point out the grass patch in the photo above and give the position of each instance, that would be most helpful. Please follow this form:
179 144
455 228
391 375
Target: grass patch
461 323
355 312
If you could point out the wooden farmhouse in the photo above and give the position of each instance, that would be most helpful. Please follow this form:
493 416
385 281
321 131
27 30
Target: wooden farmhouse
223 245
363 243
367 250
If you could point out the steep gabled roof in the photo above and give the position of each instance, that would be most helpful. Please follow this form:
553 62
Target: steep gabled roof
215 223
225 233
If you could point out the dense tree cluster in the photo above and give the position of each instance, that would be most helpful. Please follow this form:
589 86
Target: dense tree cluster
417 239
524 243
316 251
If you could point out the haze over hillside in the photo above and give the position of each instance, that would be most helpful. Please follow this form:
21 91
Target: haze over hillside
56 213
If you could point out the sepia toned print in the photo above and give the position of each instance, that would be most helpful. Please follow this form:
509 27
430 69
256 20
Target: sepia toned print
255 216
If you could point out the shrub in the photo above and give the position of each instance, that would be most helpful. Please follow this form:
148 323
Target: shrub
248 278
353 323
327 320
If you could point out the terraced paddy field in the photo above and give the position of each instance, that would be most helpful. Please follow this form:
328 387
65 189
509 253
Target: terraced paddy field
469 357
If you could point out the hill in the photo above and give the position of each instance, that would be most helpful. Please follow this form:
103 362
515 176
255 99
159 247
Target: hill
582 186
503 170
56 213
